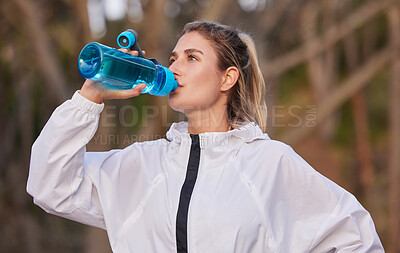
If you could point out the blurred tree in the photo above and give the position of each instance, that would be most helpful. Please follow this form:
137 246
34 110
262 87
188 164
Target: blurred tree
394 130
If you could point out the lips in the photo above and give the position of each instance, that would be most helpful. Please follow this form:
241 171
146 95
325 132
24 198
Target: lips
179 86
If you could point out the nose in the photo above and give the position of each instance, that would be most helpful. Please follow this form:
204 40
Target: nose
175 68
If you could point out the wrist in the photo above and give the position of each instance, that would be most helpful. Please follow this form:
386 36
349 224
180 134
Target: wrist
90 92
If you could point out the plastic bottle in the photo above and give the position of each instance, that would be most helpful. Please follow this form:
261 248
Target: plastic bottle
121 70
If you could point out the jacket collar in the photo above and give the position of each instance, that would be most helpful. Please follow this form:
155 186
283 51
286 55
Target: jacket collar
249 132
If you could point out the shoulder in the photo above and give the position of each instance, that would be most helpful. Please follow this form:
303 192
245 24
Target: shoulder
130 154
148 145
279 162
267 148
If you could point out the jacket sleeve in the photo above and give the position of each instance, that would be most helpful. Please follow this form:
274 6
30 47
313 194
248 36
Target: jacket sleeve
348 229
341 223
57 178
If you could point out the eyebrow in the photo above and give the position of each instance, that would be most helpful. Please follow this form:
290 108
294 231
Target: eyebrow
187 51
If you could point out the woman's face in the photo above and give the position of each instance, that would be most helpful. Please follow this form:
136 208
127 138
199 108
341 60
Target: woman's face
194 64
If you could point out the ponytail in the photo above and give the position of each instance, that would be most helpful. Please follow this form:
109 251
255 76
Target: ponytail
255 84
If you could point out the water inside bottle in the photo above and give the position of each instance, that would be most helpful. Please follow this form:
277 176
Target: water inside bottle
120 72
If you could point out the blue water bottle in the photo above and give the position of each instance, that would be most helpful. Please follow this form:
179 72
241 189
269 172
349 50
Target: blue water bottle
124 71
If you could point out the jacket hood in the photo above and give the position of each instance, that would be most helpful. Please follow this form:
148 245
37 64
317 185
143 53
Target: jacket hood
249 132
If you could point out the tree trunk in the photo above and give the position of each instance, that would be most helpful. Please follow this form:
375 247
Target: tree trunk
320 66
47 59
394 132
80 7
363 145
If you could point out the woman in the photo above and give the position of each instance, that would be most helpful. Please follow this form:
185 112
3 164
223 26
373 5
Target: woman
218 184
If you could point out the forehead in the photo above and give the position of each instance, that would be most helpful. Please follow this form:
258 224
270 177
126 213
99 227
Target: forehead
194 40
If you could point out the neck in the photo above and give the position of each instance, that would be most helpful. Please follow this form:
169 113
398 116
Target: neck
201 121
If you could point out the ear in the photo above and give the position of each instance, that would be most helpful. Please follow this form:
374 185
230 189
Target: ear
230 78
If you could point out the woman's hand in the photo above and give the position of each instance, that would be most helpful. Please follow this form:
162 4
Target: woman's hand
98 92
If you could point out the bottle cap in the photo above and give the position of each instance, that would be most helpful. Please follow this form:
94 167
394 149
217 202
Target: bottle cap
170 83
126 39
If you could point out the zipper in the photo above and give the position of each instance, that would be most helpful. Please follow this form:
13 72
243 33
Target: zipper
186 193
201 137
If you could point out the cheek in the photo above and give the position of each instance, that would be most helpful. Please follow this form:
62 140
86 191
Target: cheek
202 89
204 86
209 75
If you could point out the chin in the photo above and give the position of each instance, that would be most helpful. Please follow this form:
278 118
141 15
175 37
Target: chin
180 105
186 103
174 103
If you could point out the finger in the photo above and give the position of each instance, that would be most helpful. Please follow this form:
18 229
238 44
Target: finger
123 50
138 88
133 53
122 94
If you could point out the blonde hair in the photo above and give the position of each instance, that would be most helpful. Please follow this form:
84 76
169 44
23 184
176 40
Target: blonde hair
246 102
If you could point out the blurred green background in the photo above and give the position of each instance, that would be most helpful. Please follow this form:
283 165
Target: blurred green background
332 69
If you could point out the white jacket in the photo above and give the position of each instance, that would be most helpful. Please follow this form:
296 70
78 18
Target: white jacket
249 193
